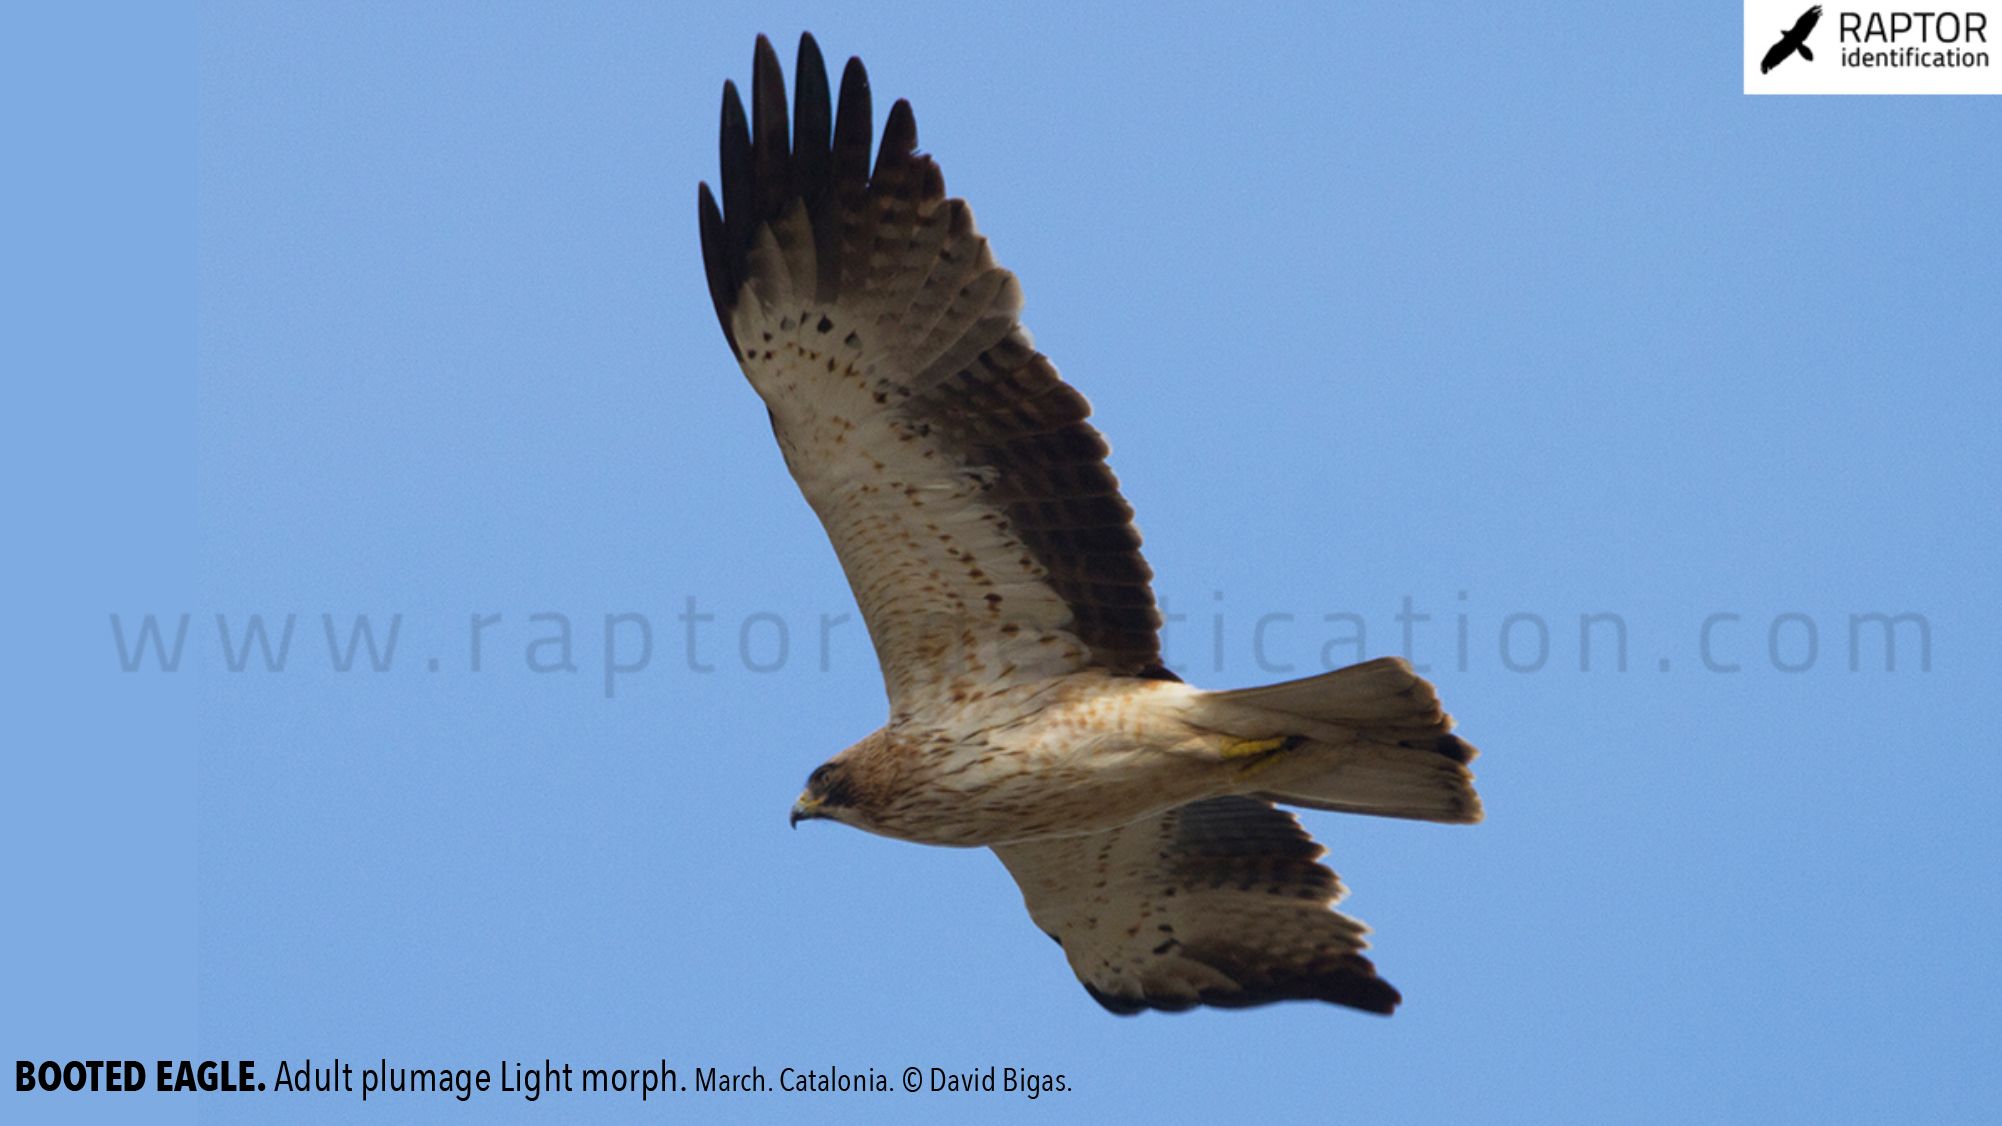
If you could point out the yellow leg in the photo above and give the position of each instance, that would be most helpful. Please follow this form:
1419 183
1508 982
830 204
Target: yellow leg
1258 754
1245 748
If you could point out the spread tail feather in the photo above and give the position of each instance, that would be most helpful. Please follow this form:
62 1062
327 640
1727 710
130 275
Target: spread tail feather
1372 739
1383 781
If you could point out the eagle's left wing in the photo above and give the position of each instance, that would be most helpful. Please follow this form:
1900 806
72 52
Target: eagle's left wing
968 499
1220 902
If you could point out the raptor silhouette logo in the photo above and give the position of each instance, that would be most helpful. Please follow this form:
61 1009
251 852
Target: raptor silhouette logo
1794 39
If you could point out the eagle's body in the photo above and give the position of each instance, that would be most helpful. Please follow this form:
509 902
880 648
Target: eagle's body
1000 576
1057 757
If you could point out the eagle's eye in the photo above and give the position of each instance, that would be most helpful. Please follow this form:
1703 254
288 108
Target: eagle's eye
830 783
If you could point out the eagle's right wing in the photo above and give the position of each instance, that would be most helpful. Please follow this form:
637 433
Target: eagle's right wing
966 495
1219 902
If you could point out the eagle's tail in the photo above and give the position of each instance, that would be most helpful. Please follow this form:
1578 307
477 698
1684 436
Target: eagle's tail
1370 738
1805 53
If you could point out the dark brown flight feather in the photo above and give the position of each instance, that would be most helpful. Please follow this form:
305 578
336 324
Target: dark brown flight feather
1228 892
889 244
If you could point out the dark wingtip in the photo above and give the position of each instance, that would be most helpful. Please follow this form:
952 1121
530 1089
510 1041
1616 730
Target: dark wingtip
812 121
900 136
715 261
1369 993
1118 1006
1351 989
764 60
1456 748
734 145
771 135
734 140
853 127
820 157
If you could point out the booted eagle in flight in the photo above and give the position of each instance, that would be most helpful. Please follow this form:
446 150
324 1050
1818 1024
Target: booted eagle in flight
1000 575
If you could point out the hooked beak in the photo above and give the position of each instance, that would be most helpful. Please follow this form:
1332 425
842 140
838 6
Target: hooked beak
805 809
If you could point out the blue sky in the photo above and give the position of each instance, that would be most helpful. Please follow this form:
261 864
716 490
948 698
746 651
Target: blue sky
1521 316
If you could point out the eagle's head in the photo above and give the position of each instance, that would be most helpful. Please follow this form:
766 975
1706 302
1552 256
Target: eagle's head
843 788
829 793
